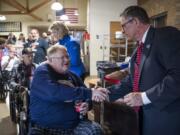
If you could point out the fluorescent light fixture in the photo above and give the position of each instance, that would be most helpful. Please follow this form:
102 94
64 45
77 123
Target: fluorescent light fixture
2 18
56 6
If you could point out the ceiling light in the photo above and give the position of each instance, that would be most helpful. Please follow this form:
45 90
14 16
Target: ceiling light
2 18
56 6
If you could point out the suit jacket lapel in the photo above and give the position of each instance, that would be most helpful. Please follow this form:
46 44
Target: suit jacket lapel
146 48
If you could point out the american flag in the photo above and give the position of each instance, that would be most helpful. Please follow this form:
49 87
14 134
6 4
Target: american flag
70 12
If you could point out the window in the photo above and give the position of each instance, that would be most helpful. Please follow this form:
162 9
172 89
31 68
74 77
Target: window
10 26
159 20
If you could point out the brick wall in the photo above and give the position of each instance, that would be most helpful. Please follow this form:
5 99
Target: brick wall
177 20
155 7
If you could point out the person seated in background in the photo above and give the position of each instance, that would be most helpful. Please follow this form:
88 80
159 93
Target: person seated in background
2 44
6 47
21 40
20 81
9 61
11 39
60 34
23 73
53 96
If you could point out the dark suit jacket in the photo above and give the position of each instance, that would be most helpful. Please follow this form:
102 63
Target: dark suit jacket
160 79
40 54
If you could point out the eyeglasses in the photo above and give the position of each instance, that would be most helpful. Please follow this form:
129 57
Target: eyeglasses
124 25
62 58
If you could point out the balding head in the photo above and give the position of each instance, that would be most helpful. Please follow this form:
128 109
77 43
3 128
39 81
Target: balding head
58 58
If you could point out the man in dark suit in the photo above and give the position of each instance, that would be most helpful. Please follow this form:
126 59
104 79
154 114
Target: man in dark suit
157 76
40 46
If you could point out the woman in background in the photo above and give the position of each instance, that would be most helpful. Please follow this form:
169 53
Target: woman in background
60 34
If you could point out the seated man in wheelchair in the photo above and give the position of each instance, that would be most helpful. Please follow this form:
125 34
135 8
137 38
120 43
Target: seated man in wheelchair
22 74
3 92
10 60
57 96
2 43
19 98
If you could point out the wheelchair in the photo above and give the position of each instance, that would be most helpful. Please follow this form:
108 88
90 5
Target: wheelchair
4 84
19 103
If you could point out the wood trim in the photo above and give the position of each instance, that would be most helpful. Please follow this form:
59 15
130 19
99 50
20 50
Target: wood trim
27 5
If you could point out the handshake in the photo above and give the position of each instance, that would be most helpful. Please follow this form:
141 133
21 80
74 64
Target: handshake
100 94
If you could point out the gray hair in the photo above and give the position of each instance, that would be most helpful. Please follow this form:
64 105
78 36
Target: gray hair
60 27
54 49
138 12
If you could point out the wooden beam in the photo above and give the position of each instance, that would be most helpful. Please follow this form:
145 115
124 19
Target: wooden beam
15 5
19 5
27 5
39 5
21 9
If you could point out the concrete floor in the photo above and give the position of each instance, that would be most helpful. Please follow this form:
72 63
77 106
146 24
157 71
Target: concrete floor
6 126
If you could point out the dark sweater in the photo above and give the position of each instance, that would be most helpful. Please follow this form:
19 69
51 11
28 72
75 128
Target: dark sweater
52 103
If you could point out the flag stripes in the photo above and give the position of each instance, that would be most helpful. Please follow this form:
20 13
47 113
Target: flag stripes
70 12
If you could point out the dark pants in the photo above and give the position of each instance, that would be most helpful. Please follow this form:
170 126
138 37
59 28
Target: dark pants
83 128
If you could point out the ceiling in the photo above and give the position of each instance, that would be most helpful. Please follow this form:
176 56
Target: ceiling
22 7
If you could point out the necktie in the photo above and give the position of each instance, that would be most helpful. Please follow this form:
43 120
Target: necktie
136 70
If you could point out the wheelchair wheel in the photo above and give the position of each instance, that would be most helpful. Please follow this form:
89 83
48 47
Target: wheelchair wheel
12 107
23 129
2 94
6 89
23 124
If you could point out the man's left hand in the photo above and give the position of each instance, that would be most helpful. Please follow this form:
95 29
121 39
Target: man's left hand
84 108
133 99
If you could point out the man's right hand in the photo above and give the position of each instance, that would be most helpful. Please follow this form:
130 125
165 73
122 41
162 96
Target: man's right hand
99 94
